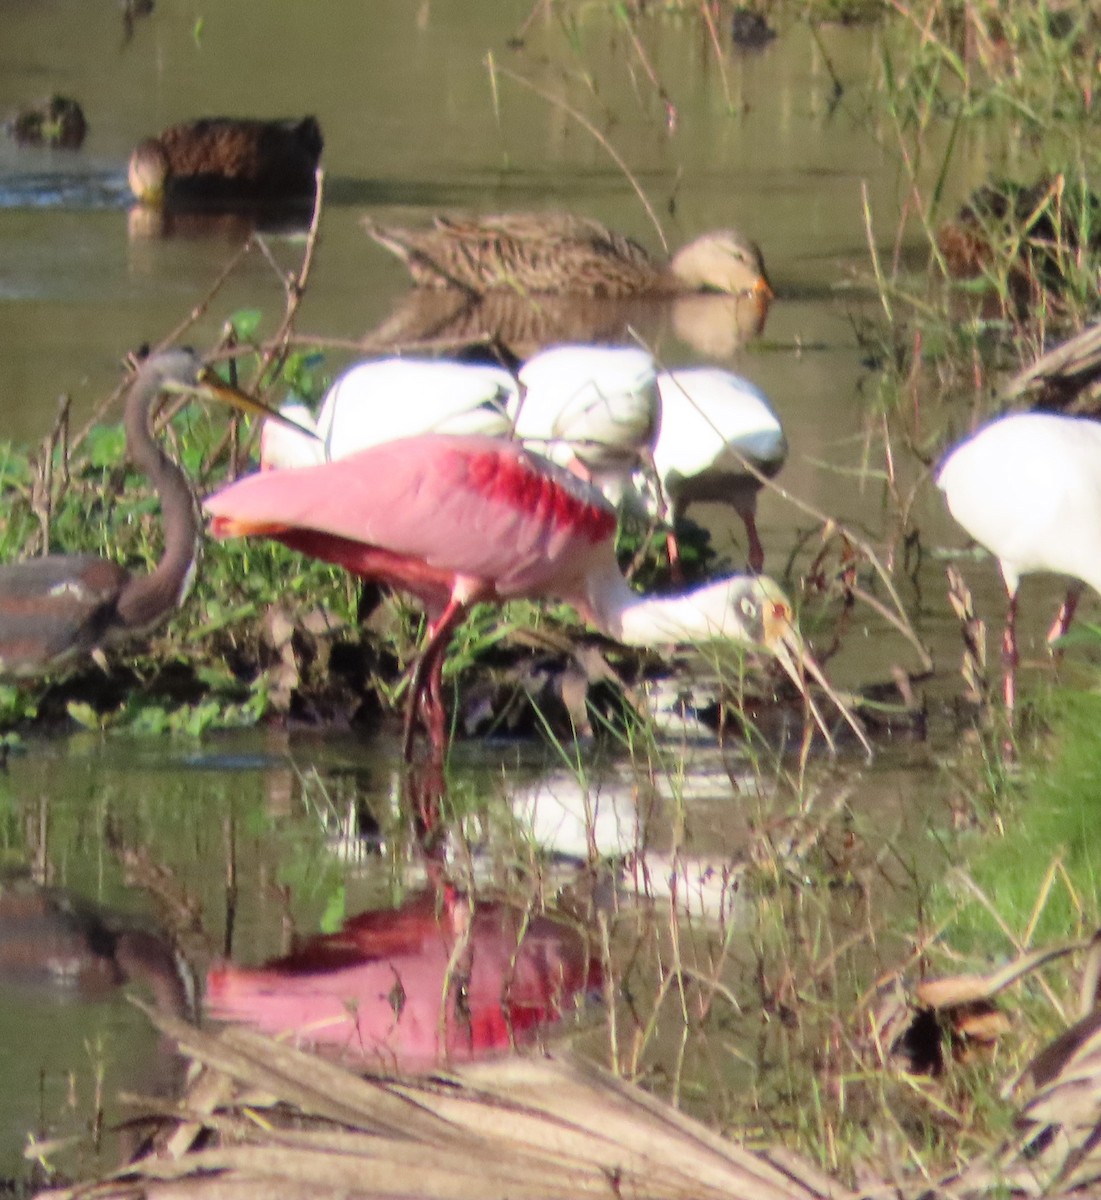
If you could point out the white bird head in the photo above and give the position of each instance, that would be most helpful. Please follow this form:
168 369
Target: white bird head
598 404
750 610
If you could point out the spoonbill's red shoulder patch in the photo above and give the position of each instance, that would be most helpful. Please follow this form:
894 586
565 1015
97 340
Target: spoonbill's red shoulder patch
510 476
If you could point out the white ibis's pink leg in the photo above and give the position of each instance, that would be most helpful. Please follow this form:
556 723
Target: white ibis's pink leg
1066 614
1009 654
755 551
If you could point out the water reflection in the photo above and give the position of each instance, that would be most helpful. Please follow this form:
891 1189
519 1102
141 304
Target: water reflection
63 1025
440 978
69 188
145 222
715 326
53 939
627 824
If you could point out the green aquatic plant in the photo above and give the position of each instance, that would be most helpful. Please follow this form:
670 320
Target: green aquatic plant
1039 878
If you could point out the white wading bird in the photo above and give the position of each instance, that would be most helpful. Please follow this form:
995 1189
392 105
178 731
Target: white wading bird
595 409
388 398
592 408
1028 488
714 423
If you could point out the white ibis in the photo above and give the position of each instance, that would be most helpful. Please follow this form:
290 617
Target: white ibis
593 408
1028 488
713 424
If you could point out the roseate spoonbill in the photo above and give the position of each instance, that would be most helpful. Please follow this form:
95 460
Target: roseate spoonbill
558 252
226 159
62 605
474 979
459 520
1028 488
593 408
715 427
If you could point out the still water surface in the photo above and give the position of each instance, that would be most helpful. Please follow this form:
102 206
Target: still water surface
247 828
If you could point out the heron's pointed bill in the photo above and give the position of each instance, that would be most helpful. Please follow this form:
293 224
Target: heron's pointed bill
211 386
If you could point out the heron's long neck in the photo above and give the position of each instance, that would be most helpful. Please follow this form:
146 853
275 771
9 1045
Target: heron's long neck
620 612
146 598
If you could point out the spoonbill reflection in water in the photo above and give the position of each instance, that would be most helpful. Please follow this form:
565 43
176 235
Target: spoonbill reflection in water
440 979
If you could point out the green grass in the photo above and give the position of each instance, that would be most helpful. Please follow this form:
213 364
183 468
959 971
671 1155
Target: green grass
1039 864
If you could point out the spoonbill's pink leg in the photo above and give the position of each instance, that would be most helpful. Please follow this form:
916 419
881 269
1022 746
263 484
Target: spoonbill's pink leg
426 686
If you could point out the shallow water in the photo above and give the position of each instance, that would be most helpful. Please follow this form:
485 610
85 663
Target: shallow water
259 835
253 840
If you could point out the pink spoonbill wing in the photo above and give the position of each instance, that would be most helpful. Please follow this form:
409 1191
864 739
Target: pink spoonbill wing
474 508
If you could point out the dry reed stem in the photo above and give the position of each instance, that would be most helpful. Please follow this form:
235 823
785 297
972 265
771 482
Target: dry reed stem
600 139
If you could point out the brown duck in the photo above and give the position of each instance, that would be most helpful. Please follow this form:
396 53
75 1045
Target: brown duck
558 252
227 159
1028 232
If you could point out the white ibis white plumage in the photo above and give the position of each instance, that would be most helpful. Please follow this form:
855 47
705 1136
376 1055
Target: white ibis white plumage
595 409
1028 488
592 408
717 430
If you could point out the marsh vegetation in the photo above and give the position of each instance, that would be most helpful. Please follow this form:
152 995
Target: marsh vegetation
770 921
